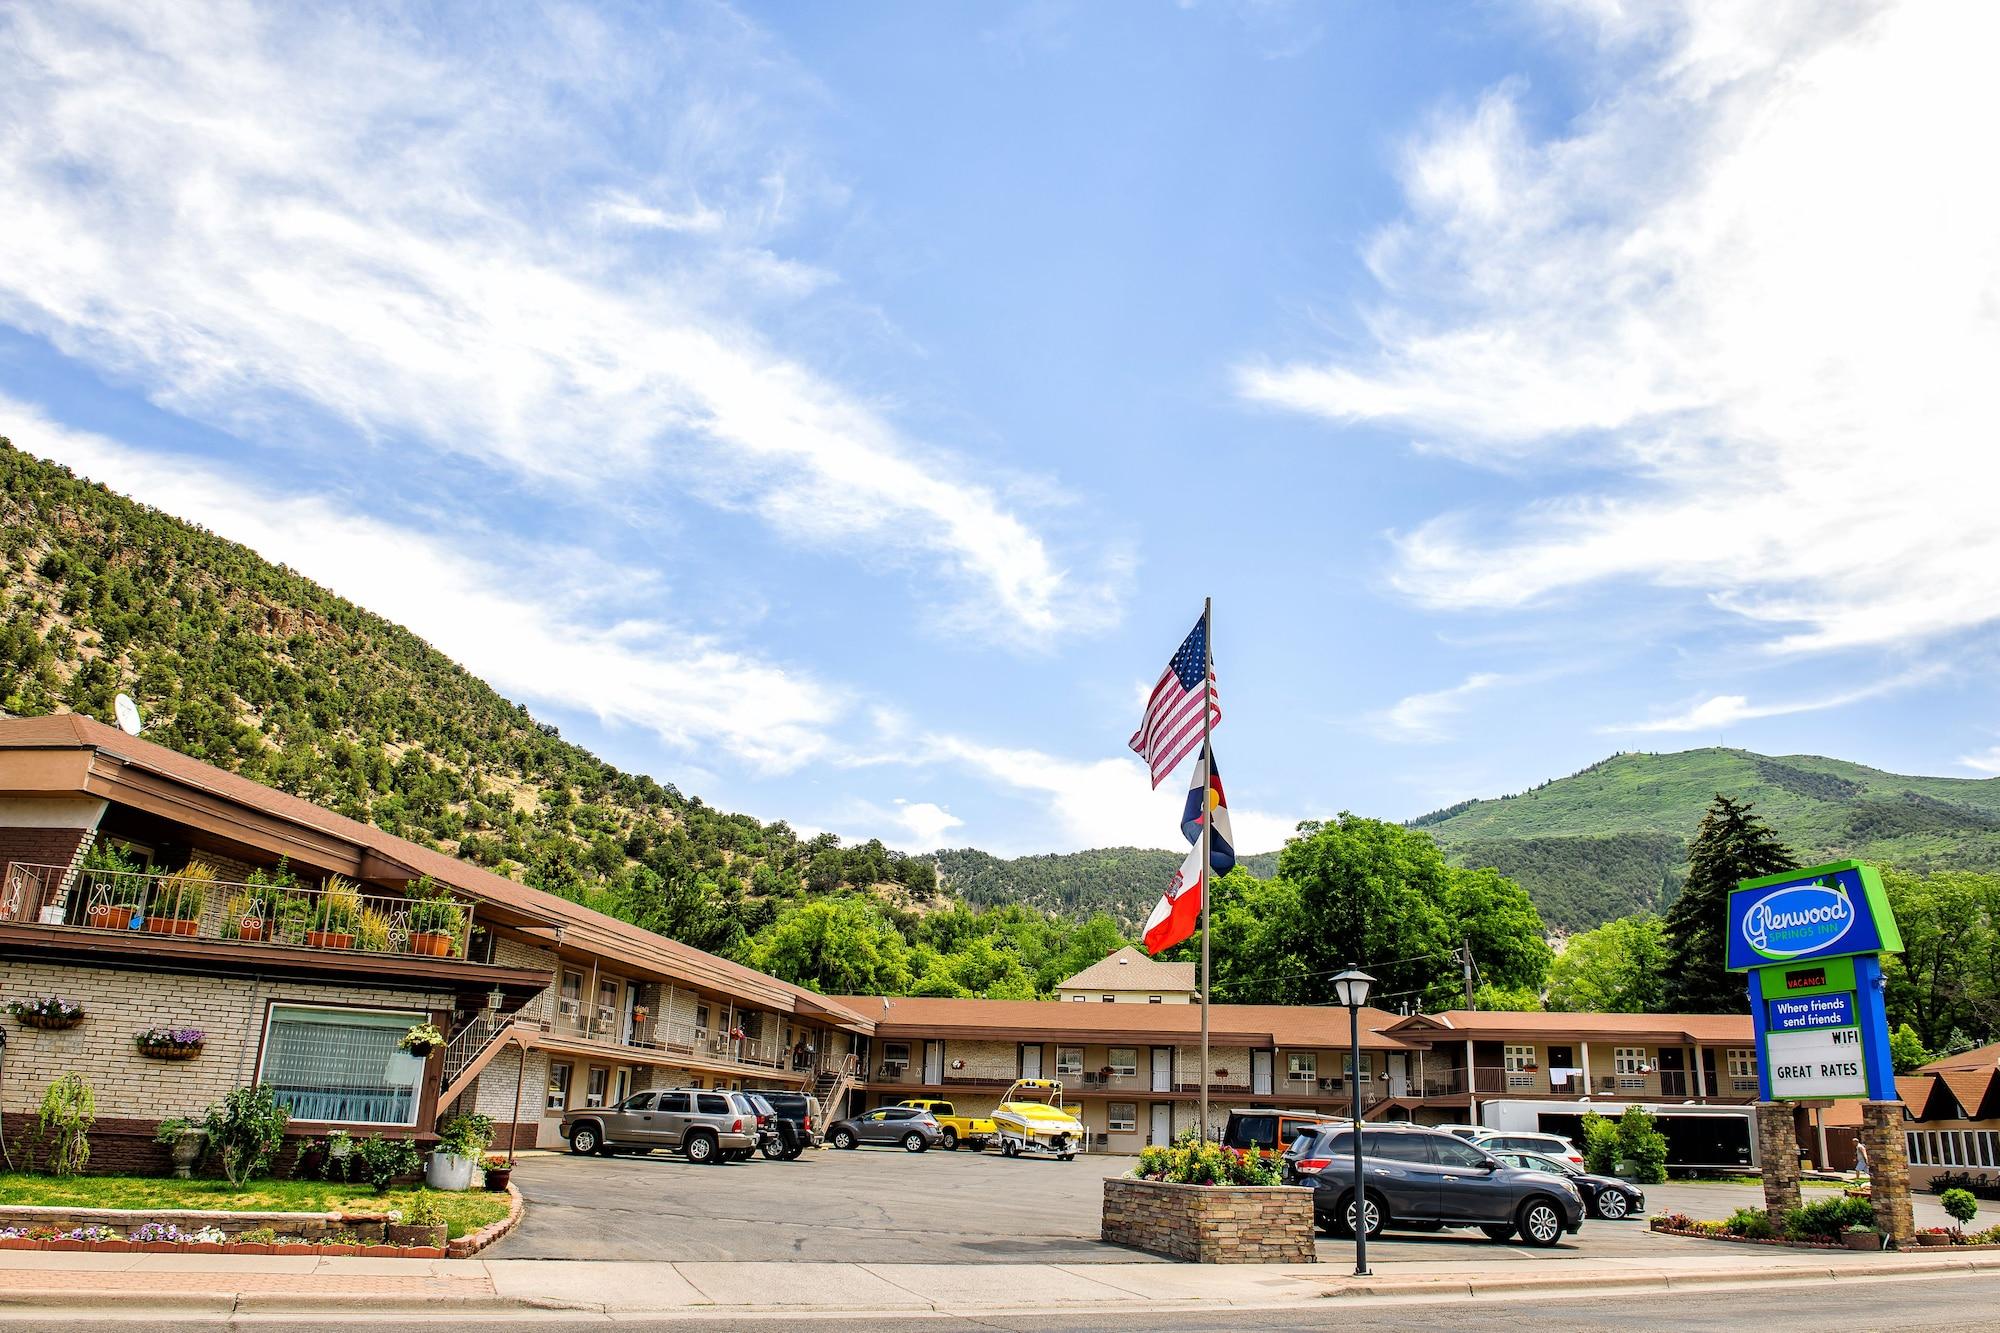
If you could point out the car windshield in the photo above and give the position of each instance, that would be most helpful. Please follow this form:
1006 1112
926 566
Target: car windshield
1535 1161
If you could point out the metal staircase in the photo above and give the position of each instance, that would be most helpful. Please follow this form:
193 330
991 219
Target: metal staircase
470 1050
830 1088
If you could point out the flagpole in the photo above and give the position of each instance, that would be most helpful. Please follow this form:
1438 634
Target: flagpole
1207 822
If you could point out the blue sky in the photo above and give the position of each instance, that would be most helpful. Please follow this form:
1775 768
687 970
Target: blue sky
841 411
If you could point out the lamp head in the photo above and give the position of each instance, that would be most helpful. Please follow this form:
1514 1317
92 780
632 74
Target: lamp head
1351 987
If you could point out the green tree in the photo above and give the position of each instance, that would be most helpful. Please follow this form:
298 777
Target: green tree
1732 844
1943 979
841 946
1906 1049
1619 968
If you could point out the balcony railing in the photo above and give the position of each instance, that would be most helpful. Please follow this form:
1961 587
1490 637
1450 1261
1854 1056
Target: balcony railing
338 918
617 1027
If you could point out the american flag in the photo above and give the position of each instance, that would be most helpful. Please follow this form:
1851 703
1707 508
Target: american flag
1172 726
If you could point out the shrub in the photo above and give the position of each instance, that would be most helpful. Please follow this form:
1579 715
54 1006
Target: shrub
62 1126
1750 1223
338 911
257 1236
423 1211
1199 1161
1639 1140
185 892
466 1135
1827 1219
1959 1205
1600 1143
384 1160
246 1129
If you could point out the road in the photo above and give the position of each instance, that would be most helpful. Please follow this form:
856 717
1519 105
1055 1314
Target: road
1950 1305
889 1206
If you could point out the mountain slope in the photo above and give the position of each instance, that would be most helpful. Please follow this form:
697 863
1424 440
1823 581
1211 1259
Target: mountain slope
1612 839
1124 882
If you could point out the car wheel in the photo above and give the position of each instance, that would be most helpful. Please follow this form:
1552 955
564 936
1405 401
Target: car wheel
1373 1216
1540 1224
951 1140
1612 1205
793 1154
1500 1231
842 1139
584 1140
700 1149
774 1151
913 1142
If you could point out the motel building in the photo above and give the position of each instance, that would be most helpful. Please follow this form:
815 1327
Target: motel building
285 933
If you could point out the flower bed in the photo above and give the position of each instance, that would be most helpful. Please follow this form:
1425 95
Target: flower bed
1680 1224
1208 1204
180 1231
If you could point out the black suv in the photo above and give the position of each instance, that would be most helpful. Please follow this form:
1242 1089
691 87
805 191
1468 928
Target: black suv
1422 1177
793 1121
1271 1129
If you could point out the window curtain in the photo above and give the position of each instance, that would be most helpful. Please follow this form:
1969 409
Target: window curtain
343 1067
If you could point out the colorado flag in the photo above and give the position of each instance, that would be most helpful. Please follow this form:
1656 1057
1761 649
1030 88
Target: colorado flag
1221 841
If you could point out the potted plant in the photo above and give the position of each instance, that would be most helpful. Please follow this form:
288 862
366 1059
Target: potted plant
461 1142
1861 1238
185 1140
498 1172
253 912
1934 1236
115 886
336 916
421 1224
1961 1206
176 908
436 919
422 1039
171 1043
51 1013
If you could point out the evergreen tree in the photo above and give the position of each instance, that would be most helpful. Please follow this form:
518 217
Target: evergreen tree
1732 844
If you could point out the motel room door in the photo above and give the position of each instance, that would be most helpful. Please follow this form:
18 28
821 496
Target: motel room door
1163 1069
1031 1062
1161 1130
1260 1073
933 1064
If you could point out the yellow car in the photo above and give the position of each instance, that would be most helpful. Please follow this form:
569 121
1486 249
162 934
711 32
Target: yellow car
1031 1121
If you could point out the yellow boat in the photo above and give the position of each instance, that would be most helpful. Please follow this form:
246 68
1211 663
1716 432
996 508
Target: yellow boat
1031 1121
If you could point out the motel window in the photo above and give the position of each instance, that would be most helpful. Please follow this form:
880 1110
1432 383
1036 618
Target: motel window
1155 999
1913 1146
1069 1060
343 1066
569 1003
1367 1065
1109 999
1123 1060
895 1055
559 1076
1743 1063
1628 1059
1518 1058
1079 998
701 1022
593 1087
1989 1148
1124 1117
1302 1066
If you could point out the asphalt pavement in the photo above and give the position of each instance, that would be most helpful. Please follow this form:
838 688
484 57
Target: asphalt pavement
879 1205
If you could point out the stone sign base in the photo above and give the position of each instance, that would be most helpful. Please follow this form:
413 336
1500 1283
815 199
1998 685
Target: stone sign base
1211 1224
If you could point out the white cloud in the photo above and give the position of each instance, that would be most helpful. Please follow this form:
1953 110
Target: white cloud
1988 762
1723 710
1424 717
1754 290
691 691
249 211
1095 803
926 822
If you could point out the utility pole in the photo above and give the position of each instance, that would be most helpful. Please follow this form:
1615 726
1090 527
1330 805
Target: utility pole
1465 957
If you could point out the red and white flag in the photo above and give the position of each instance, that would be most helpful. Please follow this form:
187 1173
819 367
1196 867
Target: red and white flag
1171 729
1178 913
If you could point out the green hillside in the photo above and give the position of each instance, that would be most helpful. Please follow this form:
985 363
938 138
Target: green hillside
1124 882
1611 839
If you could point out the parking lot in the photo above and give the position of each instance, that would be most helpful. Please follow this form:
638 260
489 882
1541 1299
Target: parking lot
888 1206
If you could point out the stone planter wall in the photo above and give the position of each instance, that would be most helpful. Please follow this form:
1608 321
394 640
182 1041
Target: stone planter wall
1211 1224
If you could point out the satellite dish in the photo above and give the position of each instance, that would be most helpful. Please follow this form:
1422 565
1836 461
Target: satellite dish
128 714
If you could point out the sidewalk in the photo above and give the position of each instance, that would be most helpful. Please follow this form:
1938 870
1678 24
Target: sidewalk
41 1282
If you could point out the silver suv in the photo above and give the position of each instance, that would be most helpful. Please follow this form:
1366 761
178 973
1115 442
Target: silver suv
707 1125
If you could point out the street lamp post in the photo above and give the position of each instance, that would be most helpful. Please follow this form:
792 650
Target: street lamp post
1351 988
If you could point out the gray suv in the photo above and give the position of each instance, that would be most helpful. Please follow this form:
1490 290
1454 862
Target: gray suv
914 1128
1420 1177
709 1126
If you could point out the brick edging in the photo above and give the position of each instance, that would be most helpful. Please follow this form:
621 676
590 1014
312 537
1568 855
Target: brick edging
467 1246
1810 1244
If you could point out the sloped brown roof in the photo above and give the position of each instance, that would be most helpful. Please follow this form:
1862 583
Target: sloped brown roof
1491 1025
1923 1096
583 927
1980 1057
1129 969
1053 1020
1973 1089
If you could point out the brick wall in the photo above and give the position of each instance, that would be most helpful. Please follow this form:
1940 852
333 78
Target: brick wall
1209 1224
133 1092
40 847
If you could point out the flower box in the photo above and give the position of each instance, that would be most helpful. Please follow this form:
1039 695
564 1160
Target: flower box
1933 1238
170 1052
50 1022
431 943
1210 1224
1862 1240
329 939
106 917
170 925
251 930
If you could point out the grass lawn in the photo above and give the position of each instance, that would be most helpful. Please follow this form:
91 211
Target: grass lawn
464 1212
1759 1180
